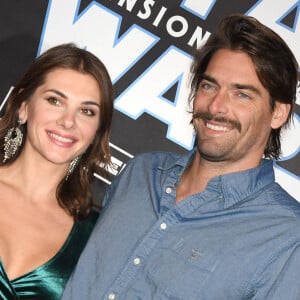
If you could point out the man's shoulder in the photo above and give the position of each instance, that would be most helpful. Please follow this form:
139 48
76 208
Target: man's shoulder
282 209
282 197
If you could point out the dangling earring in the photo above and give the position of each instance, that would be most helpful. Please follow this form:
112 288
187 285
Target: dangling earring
12 141
73 164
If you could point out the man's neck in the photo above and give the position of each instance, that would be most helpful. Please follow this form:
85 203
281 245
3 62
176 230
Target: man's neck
200 171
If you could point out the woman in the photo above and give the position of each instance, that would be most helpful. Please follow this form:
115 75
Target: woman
54 134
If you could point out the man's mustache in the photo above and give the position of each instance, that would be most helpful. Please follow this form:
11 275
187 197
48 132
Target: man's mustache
209 117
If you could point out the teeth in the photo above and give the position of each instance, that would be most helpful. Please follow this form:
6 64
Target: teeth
217 127
60 138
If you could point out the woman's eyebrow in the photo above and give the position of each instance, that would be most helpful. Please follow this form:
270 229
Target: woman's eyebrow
88 102
57 92
91 103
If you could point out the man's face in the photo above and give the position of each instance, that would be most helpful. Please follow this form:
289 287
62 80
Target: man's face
232 113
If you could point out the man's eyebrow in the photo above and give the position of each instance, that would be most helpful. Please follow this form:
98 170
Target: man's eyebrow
247 87
235 85
208 78
88 102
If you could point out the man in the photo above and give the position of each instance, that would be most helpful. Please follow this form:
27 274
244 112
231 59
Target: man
210 224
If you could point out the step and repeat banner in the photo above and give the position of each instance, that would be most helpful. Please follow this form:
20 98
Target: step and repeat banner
147 46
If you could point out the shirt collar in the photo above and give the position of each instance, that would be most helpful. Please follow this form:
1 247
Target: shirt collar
235 187
181 161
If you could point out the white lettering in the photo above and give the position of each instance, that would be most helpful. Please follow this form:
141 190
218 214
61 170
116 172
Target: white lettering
184 27
275 13
117 166
129 4
198 38
159 16
96 29
147 5
172 66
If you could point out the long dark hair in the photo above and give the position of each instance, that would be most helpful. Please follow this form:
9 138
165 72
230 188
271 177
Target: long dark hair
275 64
73 194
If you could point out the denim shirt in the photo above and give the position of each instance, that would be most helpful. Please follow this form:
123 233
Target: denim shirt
238 239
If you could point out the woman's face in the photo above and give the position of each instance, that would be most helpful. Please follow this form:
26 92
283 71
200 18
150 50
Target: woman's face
62 116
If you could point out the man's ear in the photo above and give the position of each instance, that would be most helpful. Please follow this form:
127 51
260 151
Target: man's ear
280 114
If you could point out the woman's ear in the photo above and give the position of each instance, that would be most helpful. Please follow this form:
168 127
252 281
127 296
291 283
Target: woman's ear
23 111
280 114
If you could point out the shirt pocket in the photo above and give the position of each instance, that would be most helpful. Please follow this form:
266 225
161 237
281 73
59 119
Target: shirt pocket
179 270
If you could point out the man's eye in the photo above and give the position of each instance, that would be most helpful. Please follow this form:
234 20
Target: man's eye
244 96
206 86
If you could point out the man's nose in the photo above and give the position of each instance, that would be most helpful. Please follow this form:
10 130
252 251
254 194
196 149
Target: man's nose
219 103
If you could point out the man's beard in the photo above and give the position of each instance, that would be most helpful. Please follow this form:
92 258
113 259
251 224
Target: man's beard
213 156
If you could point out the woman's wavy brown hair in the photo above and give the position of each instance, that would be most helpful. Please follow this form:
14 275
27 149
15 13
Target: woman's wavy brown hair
73 194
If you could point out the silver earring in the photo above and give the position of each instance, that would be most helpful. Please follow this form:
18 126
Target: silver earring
73 164
12 141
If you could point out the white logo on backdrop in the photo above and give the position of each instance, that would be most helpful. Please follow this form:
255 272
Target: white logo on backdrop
97 29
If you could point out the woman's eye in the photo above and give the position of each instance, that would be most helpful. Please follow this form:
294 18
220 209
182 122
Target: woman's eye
53 100
88 111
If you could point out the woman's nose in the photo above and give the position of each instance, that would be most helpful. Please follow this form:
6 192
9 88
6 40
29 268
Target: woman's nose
67 120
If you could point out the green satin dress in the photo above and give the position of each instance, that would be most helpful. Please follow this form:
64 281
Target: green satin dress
47 281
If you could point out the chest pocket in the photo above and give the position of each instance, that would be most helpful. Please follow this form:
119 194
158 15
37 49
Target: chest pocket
178 269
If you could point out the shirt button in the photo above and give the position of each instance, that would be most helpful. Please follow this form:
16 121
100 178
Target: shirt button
168 190
136 261
163 226
111 296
